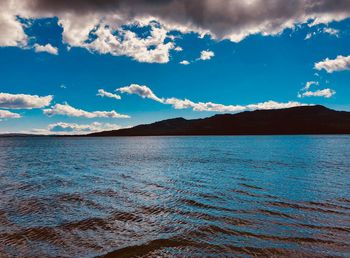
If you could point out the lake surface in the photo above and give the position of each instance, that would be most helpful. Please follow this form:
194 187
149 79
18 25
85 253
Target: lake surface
175 196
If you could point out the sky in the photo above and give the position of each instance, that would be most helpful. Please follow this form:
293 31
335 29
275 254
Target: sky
74 67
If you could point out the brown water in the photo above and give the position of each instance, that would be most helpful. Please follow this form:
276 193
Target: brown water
175 196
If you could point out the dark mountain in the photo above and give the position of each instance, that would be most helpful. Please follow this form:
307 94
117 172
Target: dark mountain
18 135
297 120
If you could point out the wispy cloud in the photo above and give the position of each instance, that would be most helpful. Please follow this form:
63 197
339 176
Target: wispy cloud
309 84
103 93
331 31
146 92
23 101
325 30
67 110
214 107
140 90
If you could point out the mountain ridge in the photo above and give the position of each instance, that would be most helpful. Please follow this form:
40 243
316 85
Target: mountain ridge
314 119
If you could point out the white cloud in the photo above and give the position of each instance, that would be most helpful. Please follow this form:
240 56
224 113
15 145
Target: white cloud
76 29
309 84
67 110
206 55
309 35
62 128
146 92
306 92
184 62
4 114
178 49
331 31
123 42
103 93
23 101
11 29
214 107
201 106
341 63
234 20
274 105
72 128
326 30
141 90
326 93
48 48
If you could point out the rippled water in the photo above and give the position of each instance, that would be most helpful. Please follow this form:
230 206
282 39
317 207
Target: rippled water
175 196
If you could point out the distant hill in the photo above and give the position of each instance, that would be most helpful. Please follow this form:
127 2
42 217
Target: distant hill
297 120
17 135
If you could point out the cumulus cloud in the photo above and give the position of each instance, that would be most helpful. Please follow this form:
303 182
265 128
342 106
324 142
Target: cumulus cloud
222 18
11 29
146 92
326 93
185 62
98 25
103 93
48 48
341 63
67 110
23 101
4 114
141 90
206 55
123 42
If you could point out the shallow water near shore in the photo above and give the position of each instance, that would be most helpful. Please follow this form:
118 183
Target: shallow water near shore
175 196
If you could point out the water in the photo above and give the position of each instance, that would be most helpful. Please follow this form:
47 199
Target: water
175 196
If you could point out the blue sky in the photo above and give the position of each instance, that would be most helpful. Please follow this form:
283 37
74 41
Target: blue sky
234 74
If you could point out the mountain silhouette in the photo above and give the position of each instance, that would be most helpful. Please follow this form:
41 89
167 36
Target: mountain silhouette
297 120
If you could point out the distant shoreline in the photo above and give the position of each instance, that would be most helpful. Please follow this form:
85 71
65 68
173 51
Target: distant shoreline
305 120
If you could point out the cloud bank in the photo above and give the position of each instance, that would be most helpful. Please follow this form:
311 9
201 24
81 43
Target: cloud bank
98 25
67 110
23 101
